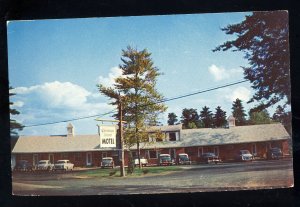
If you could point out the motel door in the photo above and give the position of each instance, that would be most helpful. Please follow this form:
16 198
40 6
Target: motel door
35 160
51 158
88 159
216 151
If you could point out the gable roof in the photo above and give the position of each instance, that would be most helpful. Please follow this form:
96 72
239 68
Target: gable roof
188 138
222 136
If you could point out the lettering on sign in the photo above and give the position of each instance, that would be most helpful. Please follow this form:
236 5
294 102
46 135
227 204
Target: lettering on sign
107 136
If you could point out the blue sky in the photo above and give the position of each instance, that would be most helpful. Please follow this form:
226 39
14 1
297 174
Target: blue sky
54 65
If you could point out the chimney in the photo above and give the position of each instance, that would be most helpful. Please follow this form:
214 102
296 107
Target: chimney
231 121
70 130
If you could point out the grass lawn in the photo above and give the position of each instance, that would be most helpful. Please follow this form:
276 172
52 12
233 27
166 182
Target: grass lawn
137 172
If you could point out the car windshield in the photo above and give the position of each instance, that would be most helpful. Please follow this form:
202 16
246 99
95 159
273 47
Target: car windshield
165 158
276 150
106 160
42 162
245 152
183 157
60 162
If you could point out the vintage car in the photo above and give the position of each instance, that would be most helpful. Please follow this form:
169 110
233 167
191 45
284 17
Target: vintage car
107 162
244 155
63 165
183 159
144 161
165 159
23 165
45 165
274 153
210 157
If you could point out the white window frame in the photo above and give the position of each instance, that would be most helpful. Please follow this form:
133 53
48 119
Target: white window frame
200 154
148 151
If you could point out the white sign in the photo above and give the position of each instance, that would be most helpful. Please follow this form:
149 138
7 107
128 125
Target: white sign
107 136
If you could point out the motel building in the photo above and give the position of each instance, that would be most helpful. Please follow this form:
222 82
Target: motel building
88 151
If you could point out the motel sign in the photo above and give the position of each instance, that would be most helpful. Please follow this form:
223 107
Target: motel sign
107 136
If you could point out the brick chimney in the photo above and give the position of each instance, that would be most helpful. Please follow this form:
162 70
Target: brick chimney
70 130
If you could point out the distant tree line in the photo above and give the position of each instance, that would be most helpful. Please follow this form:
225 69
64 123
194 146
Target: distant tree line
191 119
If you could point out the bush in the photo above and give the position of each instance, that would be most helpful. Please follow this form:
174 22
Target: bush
145 171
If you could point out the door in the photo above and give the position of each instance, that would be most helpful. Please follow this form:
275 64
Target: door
51 158
88 158
216 151
35 160
173 154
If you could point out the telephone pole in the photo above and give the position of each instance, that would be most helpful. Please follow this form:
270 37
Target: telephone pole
122 167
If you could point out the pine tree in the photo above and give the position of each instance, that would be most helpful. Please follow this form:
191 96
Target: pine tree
259 117
264 39
238 112
140 99
220 117
190 118
14 125
172 118
206 117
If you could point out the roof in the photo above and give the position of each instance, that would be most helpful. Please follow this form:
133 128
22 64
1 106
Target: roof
77 143
222 136
188 138
165 128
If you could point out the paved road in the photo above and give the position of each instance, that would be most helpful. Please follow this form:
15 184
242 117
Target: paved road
194 178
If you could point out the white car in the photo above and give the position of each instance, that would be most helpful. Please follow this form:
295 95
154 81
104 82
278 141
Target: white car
144 161
45 165
63 165
245 155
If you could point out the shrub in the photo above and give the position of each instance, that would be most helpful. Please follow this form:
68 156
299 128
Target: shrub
111 173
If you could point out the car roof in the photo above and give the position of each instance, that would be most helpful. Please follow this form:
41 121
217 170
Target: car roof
182 154
63 160
164 155
107 158
43 160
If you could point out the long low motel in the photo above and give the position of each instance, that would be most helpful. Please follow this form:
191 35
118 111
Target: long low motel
86 150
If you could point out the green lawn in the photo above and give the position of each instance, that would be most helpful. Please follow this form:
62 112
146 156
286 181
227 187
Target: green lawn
137 171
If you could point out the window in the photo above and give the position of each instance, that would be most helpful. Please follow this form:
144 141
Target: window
64 156
77 156
200 151
152 154
172 136
104 154
134 153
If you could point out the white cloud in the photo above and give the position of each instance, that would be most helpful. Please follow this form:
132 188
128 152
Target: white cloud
241 93
108 81
220 73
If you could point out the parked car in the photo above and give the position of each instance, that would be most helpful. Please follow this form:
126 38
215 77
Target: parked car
210 157
107 162
245 155
165 159
183 159
144 161
45 165
63 165
274 153
23 165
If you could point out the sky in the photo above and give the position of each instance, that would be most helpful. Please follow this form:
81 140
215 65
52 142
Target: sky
55 66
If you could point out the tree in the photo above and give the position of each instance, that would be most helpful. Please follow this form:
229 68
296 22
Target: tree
14 125
220 117
283 117
141 101
206 117
172 118
188 117
238 112
259 117
263 37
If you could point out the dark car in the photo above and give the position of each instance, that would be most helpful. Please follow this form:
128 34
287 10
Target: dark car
23 165
183 159
274 153
107 162
210 157
165 159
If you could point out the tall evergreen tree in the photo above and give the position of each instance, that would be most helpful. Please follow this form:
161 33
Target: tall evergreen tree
206 117
140 99
14 125
172 118
190 118
283 117
264 39
220 117
238 112
259 117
